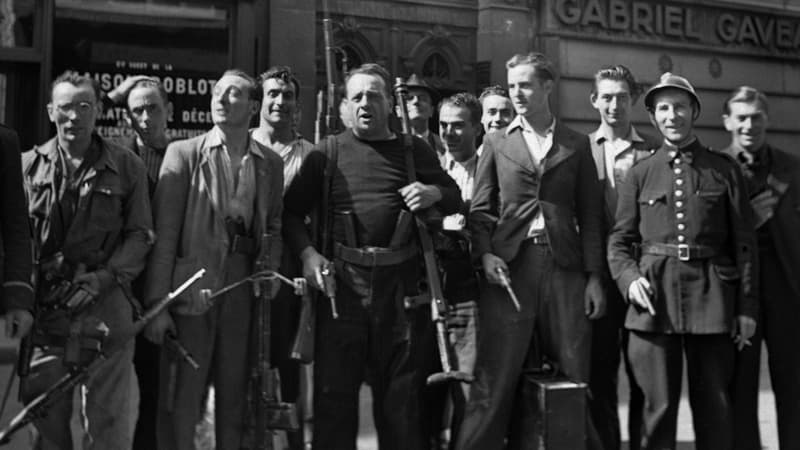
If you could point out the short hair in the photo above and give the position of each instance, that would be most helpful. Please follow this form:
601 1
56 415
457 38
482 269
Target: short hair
283 73
618 73
256 91
149 83
76 79
746 94
372 69
464 100
543 67
495 89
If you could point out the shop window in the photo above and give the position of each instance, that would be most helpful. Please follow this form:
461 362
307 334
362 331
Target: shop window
17 23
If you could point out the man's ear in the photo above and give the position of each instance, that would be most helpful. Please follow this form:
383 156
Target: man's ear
255 107
127 116
169 109
653 121
51 112
727 122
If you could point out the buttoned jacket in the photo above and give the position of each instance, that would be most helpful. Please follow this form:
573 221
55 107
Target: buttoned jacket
708 207
509 191
190 223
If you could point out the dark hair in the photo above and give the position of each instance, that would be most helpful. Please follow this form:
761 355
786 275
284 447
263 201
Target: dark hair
283 73
375 70
746 94
495 89
618 73
149 83
464 100
76 79
543 67
256 92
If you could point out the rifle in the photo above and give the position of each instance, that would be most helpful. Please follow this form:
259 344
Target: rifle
269 412
39 406
438 304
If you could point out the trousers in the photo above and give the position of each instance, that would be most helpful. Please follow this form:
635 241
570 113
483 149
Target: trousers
376 339
657 361
550 326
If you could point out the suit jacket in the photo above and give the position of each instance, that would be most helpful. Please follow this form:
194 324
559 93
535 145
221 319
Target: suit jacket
508 193
785 222
189 223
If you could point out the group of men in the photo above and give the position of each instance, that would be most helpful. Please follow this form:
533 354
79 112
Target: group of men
619 246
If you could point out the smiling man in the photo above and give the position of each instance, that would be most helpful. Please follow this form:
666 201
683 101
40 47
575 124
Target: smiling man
359 181
692 292
773 181
497 110
217 195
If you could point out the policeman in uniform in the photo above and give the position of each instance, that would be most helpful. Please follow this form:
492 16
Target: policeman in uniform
693 288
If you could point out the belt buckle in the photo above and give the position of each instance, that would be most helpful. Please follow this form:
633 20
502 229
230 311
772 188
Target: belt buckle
683 252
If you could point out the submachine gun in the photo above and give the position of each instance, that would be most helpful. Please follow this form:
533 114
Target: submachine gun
439 308
79 373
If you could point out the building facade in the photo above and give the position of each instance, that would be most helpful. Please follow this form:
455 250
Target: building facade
454 44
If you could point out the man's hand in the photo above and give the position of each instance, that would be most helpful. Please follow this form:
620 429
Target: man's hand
639 292
18 323
491 263
763 206
313 264
159 327
594 298
743 329
90 280
120 93
420 196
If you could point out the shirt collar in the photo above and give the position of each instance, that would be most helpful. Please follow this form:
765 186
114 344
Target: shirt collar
214 140
449 162
520 122
97 150
603 132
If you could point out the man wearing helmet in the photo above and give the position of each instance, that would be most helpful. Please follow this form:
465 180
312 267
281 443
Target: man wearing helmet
692 290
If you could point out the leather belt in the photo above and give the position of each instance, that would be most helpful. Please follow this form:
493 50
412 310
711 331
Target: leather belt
538 239
373 256
684 252
243 244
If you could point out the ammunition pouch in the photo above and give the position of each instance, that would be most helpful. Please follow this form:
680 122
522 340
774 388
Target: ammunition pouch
71 297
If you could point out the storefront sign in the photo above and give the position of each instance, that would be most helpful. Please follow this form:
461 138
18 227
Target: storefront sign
689 23
189 92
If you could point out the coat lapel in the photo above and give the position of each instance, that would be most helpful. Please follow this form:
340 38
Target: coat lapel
515 149
560 152
599 156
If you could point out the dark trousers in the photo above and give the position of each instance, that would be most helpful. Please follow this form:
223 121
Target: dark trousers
551 325
609 340
657 361
780 314
376 338
145 361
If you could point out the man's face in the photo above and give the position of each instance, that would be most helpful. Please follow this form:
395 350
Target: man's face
73 110
366 106
528 94
147 113
420 105
457 131
280 102
747 123
498 112
613 100
672 114
231 104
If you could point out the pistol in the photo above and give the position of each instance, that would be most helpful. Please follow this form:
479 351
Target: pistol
505 281
329 287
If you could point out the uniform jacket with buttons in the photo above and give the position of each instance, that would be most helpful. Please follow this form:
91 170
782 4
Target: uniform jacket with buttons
696 198
509 191
111 229
784 227
190 224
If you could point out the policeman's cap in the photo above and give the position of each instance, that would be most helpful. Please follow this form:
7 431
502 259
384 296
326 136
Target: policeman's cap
669 80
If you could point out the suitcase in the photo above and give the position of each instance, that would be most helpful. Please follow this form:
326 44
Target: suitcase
551 414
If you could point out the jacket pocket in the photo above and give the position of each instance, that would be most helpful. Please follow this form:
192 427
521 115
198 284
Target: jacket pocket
106 207
652 198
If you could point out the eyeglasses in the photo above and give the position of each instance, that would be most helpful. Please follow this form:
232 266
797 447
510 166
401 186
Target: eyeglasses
80 108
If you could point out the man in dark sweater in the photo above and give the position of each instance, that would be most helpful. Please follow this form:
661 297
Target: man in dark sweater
376 265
